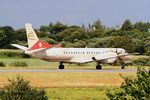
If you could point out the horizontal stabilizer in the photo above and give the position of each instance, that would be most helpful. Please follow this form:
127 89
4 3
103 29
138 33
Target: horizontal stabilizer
19 46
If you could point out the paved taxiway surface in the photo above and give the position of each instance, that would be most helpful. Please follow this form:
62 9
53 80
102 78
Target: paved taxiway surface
66 70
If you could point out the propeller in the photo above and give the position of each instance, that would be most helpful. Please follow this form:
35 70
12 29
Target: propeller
120 59
117 52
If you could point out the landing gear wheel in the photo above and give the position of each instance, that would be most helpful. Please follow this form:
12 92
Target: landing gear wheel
61 66
98 67
123 65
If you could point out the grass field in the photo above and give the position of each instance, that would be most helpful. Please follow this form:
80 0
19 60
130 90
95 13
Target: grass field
71 86
69 79
40 64
77 93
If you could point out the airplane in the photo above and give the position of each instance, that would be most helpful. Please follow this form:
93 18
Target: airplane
55 53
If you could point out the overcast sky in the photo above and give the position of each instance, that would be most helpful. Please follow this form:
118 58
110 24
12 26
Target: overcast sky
72 12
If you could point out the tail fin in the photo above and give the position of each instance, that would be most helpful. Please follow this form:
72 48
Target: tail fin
33 41
31 36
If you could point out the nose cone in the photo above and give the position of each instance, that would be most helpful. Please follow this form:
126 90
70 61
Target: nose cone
121 51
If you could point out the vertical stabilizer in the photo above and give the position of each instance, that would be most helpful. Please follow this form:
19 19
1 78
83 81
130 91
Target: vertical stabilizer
31 35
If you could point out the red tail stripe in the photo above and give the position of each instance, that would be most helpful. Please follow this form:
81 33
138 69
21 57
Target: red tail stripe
41 44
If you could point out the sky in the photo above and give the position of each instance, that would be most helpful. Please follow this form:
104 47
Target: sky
16 13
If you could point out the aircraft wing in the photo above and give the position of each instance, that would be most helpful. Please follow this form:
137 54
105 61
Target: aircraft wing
99 58
81 60
96 58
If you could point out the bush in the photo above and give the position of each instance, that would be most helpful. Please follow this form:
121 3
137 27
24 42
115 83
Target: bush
142 62
25 56
10 53
133 88
2 64
19 64
19 89
13 54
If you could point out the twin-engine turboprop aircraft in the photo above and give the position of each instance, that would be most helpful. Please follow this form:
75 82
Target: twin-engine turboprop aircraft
41 50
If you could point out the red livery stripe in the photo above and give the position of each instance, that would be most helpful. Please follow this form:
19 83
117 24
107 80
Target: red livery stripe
40 44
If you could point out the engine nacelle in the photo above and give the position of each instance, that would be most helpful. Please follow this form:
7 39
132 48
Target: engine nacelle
111 60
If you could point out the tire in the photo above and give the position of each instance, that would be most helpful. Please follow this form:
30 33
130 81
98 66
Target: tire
123 66
61 66
98 67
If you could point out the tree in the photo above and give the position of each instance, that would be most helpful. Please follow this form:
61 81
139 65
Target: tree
51 25
133 88
3 37
41 34
138 46
20 35
127 26
147 49
141 26
97 25
72 34
115 42
19 89
57 27
80 44
49 40
146 43
8 32
44 28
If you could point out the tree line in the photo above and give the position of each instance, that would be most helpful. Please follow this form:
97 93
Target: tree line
134 37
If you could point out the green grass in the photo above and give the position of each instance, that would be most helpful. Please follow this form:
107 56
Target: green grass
30 62
40 64
6 53
77 93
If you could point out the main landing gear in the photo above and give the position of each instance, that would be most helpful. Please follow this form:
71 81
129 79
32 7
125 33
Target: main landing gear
61 66
122 65
98 66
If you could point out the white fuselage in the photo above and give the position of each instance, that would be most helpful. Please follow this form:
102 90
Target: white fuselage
76 55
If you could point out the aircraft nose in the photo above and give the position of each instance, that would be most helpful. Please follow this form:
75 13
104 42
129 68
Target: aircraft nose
120 51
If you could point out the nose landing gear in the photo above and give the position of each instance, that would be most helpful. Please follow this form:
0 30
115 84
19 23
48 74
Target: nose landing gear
122 62
122 65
